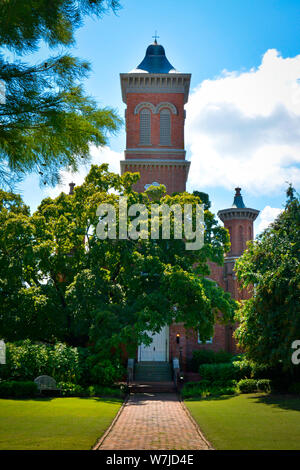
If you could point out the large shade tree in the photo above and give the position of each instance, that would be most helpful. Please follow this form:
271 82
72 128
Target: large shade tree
47 121
60 281
269 322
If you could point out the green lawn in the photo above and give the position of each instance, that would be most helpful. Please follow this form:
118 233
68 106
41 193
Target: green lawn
55 423
249 422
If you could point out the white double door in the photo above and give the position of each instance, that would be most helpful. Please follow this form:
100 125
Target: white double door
158 350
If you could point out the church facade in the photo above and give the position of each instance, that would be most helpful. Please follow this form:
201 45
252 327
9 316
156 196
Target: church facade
155 94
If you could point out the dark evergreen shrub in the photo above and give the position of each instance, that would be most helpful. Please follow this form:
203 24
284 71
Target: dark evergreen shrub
206 356
14 389
295 388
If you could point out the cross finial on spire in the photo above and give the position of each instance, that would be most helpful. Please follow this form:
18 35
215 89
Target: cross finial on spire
155 37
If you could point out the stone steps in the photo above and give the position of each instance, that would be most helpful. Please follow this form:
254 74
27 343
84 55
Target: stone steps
152 378
153 372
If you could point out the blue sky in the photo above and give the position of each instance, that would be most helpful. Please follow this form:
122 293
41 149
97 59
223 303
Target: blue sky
228 134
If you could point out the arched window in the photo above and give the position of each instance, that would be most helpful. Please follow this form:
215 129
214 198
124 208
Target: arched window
145 127
241 239
165 127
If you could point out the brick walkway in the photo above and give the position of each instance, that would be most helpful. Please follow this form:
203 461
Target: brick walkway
153 421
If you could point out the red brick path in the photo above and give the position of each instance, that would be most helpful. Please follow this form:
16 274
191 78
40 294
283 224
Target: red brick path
158 422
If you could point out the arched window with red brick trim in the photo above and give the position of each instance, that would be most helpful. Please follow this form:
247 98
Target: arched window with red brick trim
250 234
165 127
145 127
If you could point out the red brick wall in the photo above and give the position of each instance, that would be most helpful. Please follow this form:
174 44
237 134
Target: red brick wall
172 176
189 342
240 230
133 120
218 343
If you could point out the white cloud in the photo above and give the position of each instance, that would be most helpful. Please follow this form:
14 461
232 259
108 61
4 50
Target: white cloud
98 156
267 216
244 128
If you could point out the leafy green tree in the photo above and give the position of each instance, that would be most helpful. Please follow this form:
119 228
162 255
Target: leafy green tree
28 308
47 122
270 320
204 198
84 290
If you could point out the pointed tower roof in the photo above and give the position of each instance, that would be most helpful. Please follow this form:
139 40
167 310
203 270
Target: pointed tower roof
155 74
155 61
238 210
238 199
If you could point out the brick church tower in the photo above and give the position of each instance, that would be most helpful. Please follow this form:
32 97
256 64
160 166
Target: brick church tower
155 95
238 219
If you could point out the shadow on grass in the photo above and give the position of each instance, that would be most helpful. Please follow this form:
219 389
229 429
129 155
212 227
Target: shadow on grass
28 399
284 401
141 399
211 398
110 400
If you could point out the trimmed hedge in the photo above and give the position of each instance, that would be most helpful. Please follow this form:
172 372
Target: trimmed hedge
253 385
204 390
206 356
264 385
247 386
238 370
225 372
72 390
16 389
99 391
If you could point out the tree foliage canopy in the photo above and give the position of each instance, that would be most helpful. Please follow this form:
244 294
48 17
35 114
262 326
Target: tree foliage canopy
59 281
24 24
47 122
270 320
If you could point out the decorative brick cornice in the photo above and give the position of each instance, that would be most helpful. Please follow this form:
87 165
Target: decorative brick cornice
155 83
238 213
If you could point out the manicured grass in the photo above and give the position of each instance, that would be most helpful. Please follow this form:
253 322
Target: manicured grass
55 423
249 422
